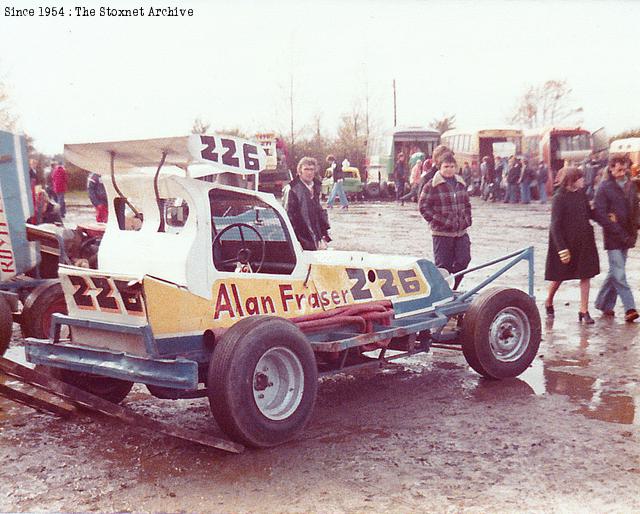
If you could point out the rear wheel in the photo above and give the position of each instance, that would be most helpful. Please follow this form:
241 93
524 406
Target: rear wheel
501 333
39 306
6 325
262 381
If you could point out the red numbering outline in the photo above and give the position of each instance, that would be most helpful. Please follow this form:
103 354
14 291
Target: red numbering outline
107 297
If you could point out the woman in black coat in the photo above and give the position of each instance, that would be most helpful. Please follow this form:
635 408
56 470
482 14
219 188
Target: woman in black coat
572 252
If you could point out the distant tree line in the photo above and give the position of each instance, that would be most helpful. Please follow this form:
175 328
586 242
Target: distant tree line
627 133
546 104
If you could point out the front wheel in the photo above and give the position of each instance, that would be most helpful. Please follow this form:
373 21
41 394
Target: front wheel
502 333
262 381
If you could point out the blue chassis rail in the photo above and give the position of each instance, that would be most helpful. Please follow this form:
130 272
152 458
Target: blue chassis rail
182 372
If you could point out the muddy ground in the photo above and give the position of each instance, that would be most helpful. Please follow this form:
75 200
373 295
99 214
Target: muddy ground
426 434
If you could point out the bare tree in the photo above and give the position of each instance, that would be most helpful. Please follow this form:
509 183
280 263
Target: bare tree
234 131
352 138
447 122
7 118
312 143
546 104
627 133
200 126
317 119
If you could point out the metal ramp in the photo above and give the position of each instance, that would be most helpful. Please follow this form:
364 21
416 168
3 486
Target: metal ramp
61 399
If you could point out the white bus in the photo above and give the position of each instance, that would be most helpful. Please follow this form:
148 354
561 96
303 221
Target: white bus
629 146
472 145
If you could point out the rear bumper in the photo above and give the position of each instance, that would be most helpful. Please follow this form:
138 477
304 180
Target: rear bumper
172 373
178 373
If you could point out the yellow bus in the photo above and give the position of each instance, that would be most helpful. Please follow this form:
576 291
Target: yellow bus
472 145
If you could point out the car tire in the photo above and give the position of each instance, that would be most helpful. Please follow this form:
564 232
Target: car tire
39 306
501 333
6 325
262 381
372 190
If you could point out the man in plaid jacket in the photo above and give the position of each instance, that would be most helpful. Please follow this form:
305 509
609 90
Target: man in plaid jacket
444 203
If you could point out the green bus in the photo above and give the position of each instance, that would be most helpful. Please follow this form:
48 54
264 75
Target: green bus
382 152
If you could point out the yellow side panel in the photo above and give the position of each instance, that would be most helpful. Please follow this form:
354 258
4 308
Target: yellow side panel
173 310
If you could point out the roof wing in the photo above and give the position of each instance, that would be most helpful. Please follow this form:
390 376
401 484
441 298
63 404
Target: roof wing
220 152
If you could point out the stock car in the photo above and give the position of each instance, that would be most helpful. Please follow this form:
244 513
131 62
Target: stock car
210 294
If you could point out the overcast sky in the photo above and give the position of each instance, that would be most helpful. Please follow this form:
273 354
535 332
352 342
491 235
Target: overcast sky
83 79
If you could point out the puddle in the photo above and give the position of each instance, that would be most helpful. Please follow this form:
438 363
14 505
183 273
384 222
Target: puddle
566 366
574 373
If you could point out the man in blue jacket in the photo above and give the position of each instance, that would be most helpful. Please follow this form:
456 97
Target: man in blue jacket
616 209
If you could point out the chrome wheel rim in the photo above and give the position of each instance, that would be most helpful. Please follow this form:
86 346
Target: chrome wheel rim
509 334
278 383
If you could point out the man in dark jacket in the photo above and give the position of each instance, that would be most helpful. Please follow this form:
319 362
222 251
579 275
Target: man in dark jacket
309 219
513 176
444 203
590 170
616 209
525 179
97 196
400 176
543 176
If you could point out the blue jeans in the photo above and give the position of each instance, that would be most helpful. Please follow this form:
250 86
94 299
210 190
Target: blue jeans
337 189
525 192
63 207
399 190
512 193
542 187
615 284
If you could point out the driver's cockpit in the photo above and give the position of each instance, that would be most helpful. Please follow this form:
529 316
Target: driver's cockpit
248 235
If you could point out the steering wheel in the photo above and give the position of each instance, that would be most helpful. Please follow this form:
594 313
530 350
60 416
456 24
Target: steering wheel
244 253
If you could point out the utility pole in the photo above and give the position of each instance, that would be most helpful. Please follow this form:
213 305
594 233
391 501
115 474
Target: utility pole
291 107
394 103
366 120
